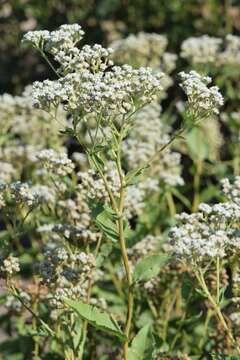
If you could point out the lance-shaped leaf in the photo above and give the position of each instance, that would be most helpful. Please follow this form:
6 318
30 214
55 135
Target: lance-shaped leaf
149 267
95 317
141 345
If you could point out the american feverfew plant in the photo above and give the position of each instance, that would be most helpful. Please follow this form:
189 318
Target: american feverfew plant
87 175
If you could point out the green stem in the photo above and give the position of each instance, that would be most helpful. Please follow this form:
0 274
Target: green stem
88 297
171 204
177 134
109 191
218 279
49 62
208 318
116 282
130 300
196 184
217 309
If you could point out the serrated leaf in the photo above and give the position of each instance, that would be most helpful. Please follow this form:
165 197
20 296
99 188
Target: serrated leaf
141 345
149 267
104 219
95 317
108 227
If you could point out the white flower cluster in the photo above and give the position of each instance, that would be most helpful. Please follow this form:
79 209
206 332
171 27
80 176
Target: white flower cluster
201 50
142 49
23 124
145 139
231 54
211 50
71 232
7 172
118 91
144 247
30 196
146 49
36 38
232 190
137 195
235 318
15 305
57 163
43 193
10 266
61 44
87 85
203 101
211 232
66 274
65 37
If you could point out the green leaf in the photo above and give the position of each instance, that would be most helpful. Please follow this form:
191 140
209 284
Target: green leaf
105 219
141 345
187 287
191 320
133 176
197 144
105 223
96 317
149 267
68 131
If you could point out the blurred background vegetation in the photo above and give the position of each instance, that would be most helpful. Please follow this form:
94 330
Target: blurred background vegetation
103 21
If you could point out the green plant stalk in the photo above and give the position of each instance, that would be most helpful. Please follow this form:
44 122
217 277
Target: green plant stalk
207 320
89 292
130 300
228 21
171 204
35 338
196 184
115 280
218 279
217 309
85 323
236 160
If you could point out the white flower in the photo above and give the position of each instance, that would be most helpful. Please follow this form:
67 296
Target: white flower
10 265
209 233
59 164
201 50
203 100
